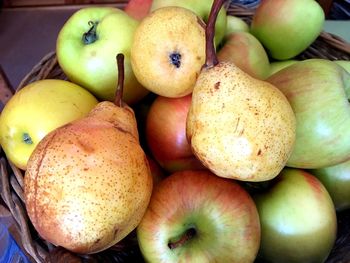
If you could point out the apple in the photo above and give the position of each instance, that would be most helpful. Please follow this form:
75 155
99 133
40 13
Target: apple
336 179
86 48
247 53
318 91
196 216
37 109
166 134
235 24
297 217
286 28
276 66
344 64
202 9
157 173
138 9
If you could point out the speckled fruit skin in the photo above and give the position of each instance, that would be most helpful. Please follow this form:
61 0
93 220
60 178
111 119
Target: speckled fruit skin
88 183
238 126
165 31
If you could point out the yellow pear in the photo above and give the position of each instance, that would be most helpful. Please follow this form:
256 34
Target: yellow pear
168 51
238 126
88 183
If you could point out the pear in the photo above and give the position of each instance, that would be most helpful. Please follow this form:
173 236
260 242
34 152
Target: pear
88 183
168 51
238 126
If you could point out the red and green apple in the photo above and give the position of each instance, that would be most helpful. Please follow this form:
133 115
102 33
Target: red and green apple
196 216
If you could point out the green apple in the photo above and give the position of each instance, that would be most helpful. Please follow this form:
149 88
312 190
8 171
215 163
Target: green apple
202 9
37 109
196 216
276 66
247 53
318 91
297 217
344 64
235 24
286 28
336 179
87 46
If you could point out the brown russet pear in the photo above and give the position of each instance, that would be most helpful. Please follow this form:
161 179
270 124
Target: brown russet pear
88 183
238 126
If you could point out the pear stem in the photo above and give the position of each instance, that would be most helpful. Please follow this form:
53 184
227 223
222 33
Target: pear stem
119 92
211 59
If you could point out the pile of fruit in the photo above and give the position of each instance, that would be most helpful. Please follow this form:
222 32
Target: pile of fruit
200 132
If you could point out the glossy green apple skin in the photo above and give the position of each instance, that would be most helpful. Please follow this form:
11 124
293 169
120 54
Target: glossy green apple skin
345 64
202 9
318 91
337 181
93 66
247 53
235 24
221 213
297 217
286 28
276 66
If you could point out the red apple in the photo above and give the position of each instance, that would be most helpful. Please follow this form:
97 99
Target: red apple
157 173
166 134
138 9
196 216
297 217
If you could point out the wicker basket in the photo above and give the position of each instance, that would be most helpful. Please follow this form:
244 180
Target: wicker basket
326 46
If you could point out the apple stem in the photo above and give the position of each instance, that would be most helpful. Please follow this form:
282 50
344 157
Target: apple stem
90 36
189 234
211 59
119 92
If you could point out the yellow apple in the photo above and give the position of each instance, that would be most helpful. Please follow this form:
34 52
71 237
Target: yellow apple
37 109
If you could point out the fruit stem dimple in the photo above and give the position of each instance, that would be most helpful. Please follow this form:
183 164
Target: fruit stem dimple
90 36
189 234
175 59
211 59
119 92
27 139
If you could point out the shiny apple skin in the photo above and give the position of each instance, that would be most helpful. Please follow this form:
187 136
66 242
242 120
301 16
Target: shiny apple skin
297 217
222 213
336 179
166 134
